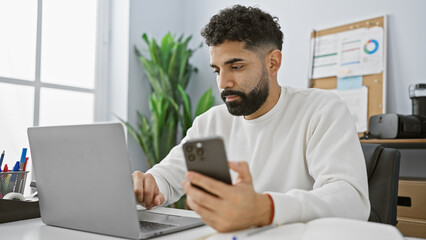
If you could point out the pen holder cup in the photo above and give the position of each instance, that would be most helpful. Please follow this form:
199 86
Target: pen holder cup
12 182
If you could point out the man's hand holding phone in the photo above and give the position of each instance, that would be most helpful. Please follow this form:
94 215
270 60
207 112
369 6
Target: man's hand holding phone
146 190
223 205
232 207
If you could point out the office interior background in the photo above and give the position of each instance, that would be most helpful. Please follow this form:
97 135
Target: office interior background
68 62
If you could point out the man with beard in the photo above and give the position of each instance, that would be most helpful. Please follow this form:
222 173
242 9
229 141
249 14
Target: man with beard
298 155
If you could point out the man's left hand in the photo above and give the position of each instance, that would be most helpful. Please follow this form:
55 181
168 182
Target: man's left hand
233 207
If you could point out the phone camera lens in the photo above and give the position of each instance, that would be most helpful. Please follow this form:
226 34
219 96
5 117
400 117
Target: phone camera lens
191 158
189 148
200 152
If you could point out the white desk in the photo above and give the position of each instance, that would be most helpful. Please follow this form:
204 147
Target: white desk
327 228
35 229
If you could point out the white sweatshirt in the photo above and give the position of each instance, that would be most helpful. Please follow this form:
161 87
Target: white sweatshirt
304 152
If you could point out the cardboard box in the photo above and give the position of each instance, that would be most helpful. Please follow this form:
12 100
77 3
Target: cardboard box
412 198
412 227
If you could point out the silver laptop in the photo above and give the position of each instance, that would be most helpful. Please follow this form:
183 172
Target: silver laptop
84 182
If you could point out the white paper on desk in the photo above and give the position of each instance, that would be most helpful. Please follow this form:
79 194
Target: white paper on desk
357 102
320 229
349 229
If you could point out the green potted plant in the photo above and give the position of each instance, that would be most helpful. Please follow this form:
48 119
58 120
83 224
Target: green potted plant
168 71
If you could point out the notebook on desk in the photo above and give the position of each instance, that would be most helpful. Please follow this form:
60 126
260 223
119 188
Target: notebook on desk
84 182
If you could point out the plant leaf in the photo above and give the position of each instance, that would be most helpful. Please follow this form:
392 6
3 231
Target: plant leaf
206 101
186 118
168 71
167 44
145 37
146 138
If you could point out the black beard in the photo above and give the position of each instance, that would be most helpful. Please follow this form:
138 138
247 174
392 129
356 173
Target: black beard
248 103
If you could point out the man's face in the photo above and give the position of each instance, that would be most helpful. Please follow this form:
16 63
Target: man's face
241 77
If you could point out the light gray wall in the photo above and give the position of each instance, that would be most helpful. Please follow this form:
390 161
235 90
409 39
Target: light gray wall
406 43
119 59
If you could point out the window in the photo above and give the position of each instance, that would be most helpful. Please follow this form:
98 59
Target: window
51 58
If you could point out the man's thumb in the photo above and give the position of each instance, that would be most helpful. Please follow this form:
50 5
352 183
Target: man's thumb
242 169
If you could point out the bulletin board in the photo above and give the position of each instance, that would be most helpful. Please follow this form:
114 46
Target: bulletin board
376 83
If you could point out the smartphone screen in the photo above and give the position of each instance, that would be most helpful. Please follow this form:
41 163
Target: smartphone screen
208 157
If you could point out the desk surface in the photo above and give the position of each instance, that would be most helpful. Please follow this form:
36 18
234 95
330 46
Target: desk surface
416 143
326 228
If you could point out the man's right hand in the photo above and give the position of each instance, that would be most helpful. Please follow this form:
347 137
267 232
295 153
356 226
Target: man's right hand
146 190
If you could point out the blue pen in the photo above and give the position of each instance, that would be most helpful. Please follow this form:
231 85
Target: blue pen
23 155
12 180
1 159
16 167
22 161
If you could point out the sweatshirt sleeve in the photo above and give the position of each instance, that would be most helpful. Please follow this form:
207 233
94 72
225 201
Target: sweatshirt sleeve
169 174
336 163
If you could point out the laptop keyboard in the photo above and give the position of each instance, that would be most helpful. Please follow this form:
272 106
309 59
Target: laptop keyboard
153 226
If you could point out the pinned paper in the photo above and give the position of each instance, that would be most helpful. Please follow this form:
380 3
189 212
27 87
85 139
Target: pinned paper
357 102
361 52
346 83
349 53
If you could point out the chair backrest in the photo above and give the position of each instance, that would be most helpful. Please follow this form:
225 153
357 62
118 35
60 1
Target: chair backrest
383 174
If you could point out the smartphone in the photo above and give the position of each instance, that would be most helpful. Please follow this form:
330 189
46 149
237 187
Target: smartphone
208 157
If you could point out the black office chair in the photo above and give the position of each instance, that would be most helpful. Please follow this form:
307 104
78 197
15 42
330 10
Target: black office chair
383 174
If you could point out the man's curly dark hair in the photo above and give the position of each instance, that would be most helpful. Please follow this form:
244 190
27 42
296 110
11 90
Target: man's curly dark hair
251 25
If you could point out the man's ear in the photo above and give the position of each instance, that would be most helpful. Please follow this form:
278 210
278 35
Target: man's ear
273 61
